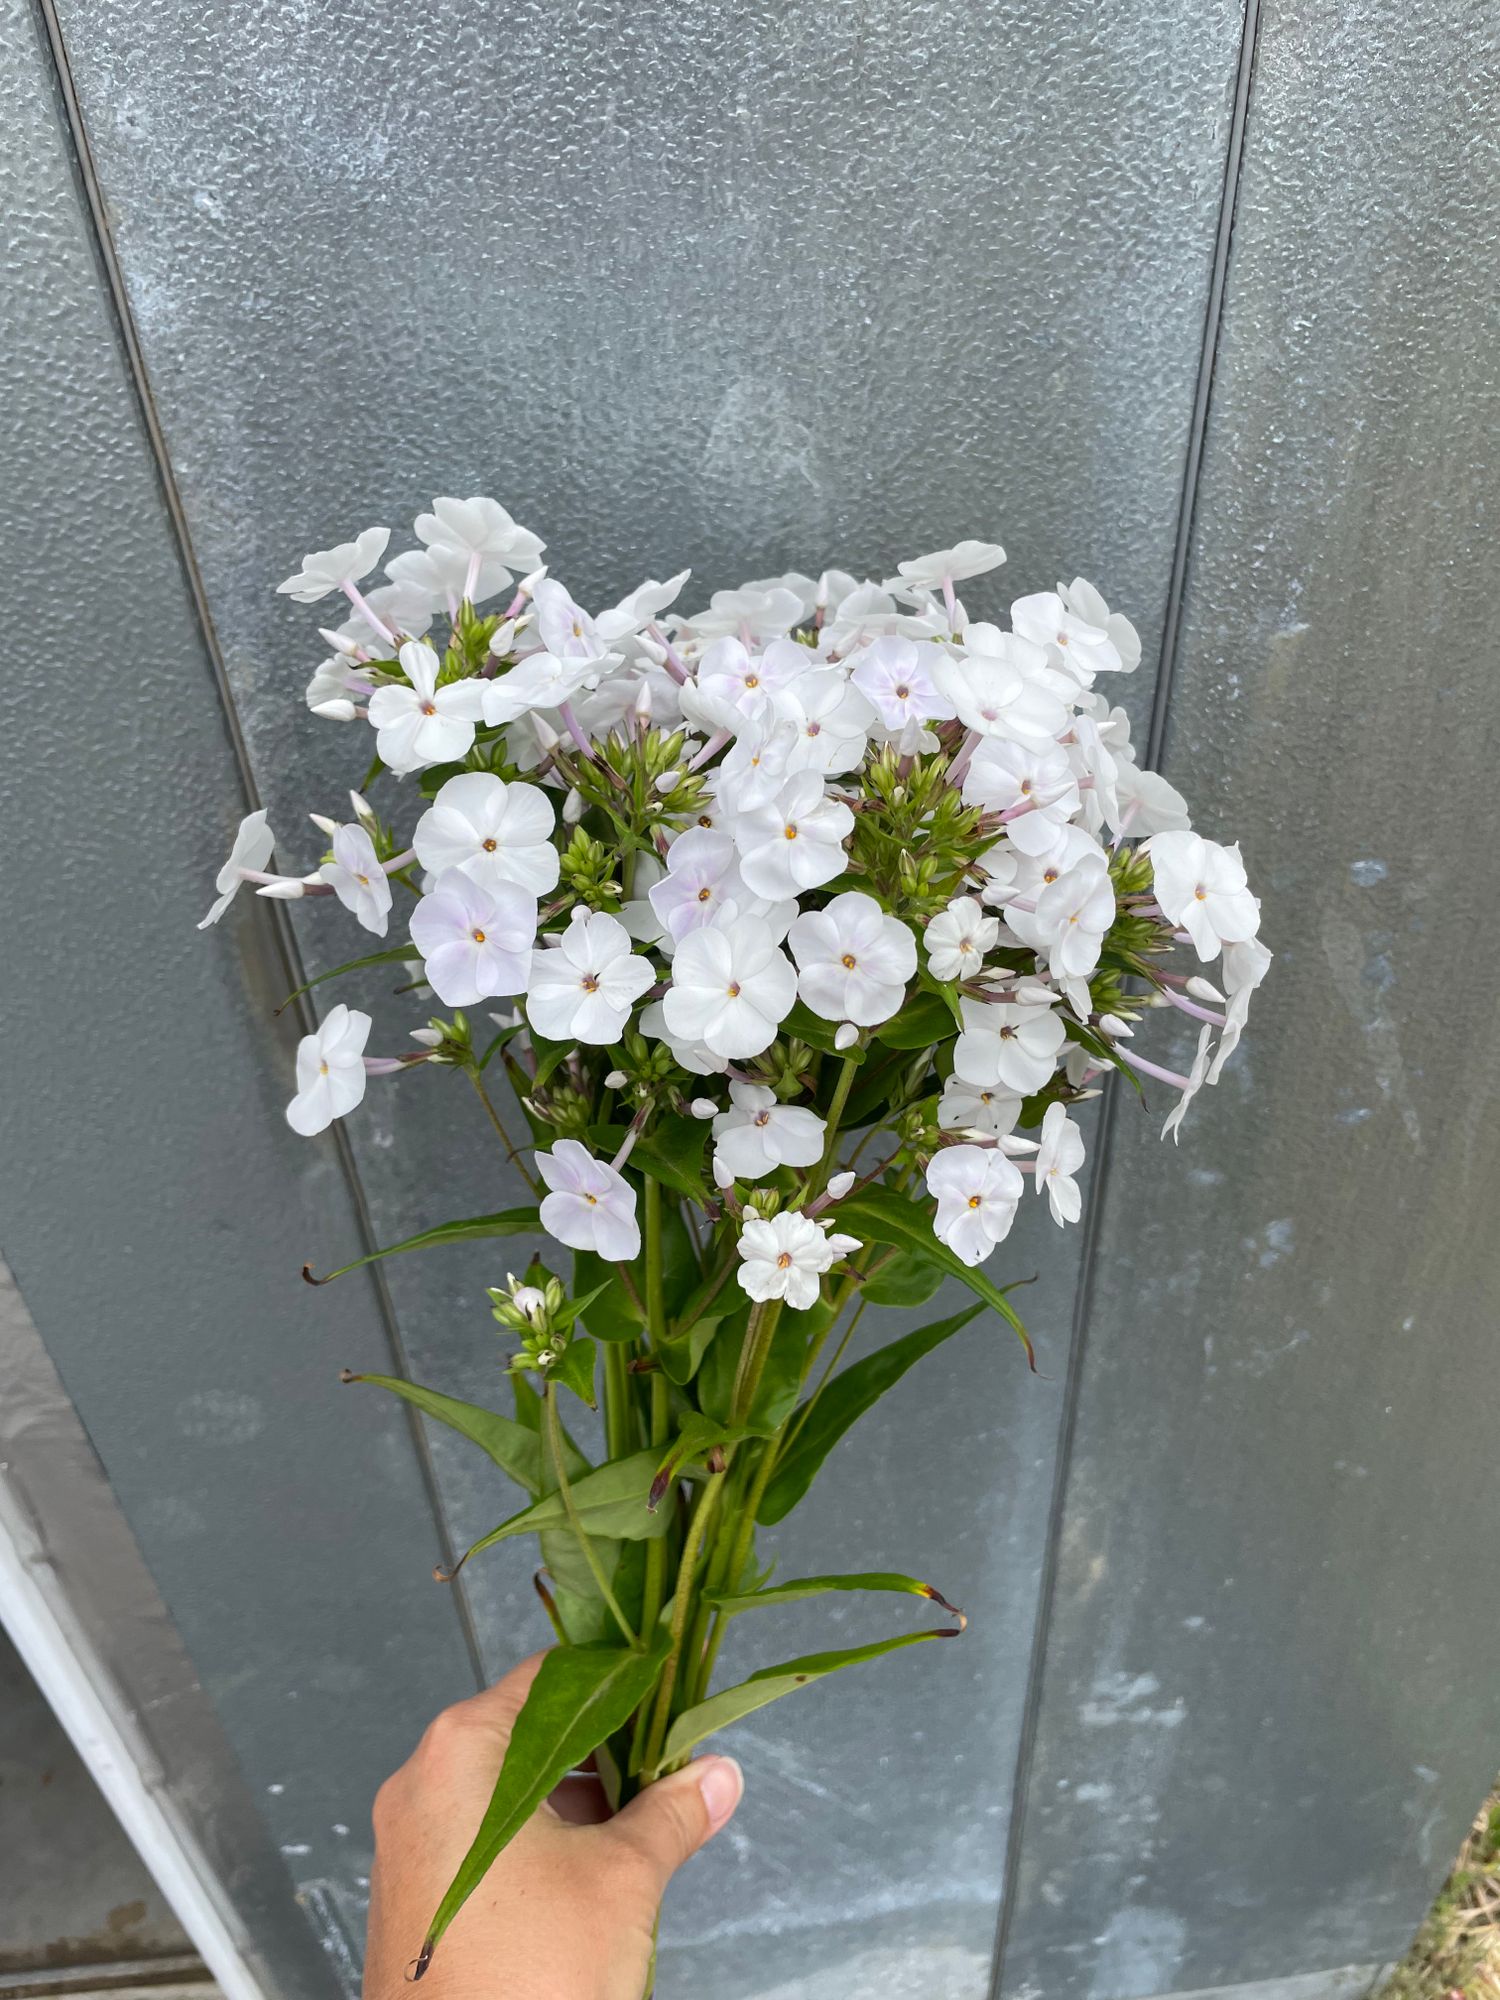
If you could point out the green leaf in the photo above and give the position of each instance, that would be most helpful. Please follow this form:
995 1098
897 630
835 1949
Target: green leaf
906 1224
514 1447
574 1368
682 1357
793 1591
673 1154
905 1279
398 955
549 1057
803 1025
923 1021
508 1222
501 1039
611 1501
580 1697
842 1404
771 1683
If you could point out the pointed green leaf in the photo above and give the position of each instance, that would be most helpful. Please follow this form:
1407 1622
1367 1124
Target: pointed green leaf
508 1222
514 1447
771 1683
793 1591
400 954
574 1368
924 1021
903 1279
611 1501
906 1224
580 1697
843 1403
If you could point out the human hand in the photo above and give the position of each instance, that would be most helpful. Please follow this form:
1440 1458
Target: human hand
568 1910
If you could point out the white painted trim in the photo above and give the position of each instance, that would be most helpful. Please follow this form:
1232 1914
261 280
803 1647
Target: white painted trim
60 1661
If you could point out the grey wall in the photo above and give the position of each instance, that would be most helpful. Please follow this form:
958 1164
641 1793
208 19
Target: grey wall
751 285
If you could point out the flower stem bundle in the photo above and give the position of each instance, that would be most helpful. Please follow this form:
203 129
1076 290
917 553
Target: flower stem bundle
796 928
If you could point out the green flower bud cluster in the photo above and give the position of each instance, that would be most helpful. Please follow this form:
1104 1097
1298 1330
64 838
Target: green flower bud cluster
914 836
588 872
453 1043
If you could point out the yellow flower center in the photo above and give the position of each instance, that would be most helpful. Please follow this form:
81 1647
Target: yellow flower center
479 937
849 961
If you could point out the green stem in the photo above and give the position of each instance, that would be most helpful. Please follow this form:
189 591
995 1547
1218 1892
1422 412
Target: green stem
619 1401
753 1356
575 1521
682 1603
841 1092
510 1152
656 1317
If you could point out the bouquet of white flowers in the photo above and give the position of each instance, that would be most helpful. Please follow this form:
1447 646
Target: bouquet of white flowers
810 916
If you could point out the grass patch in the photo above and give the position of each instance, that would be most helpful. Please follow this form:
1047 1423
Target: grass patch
1456 1954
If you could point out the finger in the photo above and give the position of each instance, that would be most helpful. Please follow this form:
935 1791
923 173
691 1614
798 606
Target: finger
674 1817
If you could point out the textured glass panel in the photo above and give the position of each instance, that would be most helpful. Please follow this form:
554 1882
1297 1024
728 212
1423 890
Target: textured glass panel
1263 1732
152 1201
742 286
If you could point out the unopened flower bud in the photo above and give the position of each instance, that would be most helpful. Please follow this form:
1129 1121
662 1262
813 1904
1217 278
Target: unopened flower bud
528 584
616 1080
573 807
1202 989
430 1038
364 812
545 1357
642 702
546 736
723 1175
845 1035
668 782
529 1299
704 1107
1113 1025
323 823
503 638
840 1185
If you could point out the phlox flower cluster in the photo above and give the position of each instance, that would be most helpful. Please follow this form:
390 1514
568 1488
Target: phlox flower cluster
822 857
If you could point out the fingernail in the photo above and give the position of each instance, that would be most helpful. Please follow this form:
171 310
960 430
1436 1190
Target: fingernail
722 1784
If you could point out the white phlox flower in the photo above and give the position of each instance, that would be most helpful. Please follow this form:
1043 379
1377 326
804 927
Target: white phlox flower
1085 649
1084 602
957 938
475 942
853 960
492 831
331 1072
1201 887
970 1107
948 566
732 987
999 684
327 570
584 983
978 1192
1032 783
357 878
796 842
423 723
251 851
1007 1045
590 1205
900 682
786 1257
1058 1159
758 1134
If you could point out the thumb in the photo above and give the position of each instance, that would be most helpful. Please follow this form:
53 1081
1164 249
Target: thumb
673 1818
